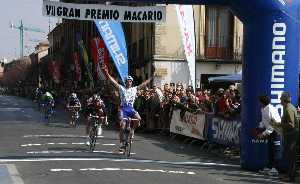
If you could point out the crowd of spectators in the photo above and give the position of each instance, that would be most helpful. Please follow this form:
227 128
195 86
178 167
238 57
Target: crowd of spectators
156 104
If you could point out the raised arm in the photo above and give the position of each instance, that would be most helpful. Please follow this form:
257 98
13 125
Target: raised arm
144 83
115 83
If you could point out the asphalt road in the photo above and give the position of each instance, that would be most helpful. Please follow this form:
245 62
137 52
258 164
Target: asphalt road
32 152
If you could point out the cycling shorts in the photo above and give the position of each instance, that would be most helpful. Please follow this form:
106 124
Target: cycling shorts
127 112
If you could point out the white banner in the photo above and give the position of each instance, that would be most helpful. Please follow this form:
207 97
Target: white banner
104 12
185 17
191 125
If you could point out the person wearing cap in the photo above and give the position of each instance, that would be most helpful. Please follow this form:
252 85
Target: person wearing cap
290 130
128 94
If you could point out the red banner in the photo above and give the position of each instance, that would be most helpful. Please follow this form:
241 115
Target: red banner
77 66
100 55
54 68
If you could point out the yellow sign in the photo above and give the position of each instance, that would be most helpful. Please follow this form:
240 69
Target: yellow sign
161 72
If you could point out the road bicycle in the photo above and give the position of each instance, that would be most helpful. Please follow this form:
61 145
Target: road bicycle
48 112
97 122
74 110
128 136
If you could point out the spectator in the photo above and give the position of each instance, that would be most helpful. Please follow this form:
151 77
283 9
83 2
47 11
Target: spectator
290 130
268 111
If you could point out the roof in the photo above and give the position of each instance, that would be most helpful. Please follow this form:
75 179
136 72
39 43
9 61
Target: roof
226 78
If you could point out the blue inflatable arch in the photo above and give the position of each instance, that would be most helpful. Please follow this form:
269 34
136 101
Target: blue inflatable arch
270 60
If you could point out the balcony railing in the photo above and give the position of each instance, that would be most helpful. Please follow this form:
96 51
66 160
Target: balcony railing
222 48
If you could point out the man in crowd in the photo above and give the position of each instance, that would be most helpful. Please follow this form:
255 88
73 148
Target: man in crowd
290 130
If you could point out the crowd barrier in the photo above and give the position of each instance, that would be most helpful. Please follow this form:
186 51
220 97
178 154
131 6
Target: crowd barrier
208 127
188 124
223 131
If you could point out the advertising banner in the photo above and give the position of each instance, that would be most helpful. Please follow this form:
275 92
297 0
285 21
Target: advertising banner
113 35
104 12
191 125
77 66
223 131
85 58
100 56
54 68
185 17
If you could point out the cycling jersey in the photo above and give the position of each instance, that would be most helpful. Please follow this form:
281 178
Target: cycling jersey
47 98
127 96
73 101
95 107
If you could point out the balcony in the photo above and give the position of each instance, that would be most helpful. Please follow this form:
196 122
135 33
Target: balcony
224 49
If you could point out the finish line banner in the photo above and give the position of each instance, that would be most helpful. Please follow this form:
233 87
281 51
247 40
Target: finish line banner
104 12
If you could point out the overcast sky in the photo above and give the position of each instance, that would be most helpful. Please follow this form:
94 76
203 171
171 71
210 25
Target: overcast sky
30 11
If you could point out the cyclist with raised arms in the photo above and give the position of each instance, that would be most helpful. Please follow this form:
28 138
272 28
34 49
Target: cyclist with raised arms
127 97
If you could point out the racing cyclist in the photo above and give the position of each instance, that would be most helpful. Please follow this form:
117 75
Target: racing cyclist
127 97
96 107
73 106
48 103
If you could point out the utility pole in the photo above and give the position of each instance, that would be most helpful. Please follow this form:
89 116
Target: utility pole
49 25
22 28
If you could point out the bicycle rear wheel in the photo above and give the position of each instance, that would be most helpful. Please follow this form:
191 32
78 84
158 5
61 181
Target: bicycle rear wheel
93 138
128 149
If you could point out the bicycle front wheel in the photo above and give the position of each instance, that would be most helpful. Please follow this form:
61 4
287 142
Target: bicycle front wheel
93 138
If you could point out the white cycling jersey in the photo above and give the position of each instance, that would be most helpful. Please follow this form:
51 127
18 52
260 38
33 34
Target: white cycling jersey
127 95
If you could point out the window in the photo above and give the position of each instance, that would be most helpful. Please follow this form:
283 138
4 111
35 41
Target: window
219 33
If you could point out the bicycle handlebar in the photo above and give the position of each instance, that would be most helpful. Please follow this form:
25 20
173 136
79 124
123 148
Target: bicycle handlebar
98 117
131 119
74 106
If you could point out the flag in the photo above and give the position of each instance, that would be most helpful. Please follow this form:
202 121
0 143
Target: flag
100 56
185 17
85 58
113 35
77 66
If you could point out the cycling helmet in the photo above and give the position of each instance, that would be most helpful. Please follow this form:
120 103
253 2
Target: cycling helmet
48 94
95 96
73 95
129 78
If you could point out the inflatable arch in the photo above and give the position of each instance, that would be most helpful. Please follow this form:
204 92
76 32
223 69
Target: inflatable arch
270 61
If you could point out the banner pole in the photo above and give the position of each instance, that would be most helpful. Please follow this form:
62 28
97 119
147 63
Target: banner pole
195 51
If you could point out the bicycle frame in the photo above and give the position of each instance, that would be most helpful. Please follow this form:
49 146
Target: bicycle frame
48 112
74 114
127 135
93 134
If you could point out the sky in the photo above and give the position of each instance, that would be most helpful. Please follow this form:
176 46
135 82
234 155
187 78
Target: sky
30 11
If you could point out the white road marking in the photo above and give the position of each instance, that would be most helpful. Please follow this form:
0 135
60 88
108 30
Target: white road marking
119 169
14 174
119 160
61 143
58 170
108 144
70 151
58 136
10 109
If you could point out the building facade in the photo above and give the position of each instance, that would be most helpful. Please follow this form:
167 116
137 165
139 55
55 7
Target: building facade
218 48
